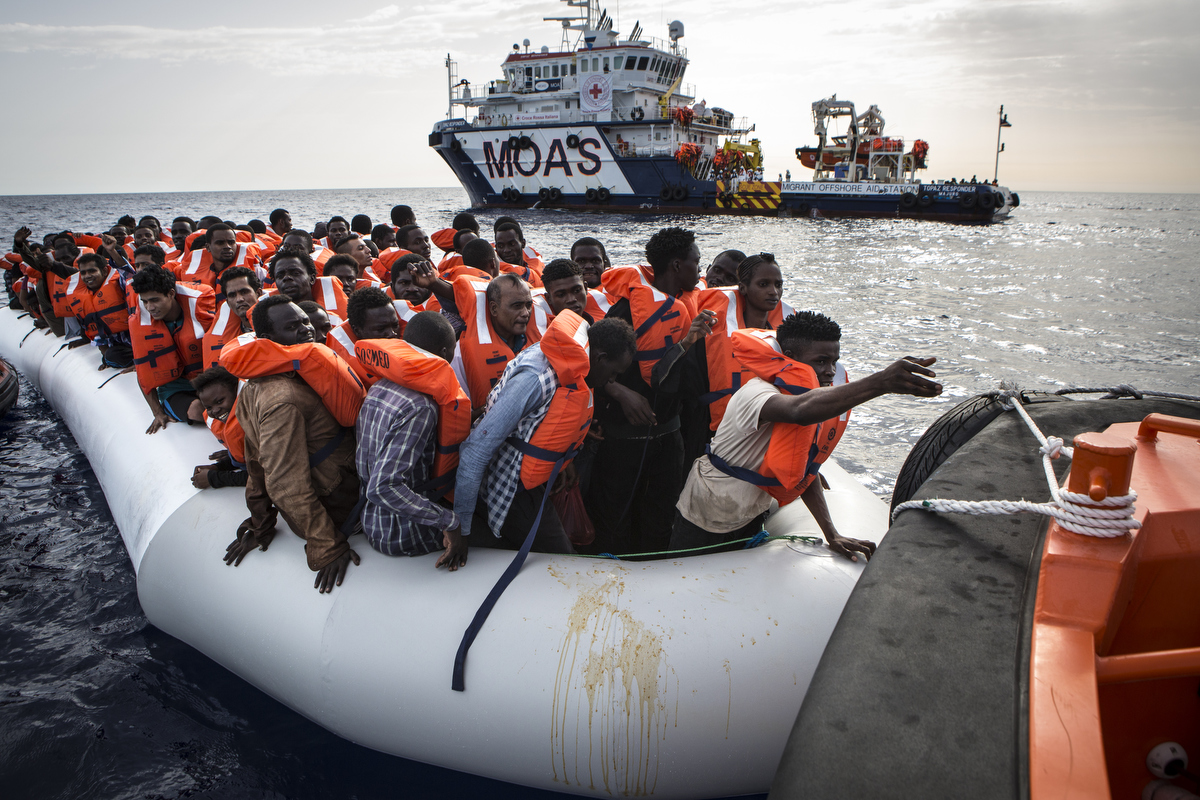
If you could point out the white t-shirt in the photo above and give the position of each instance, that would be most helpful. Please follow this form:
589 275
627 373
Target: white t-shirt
713 500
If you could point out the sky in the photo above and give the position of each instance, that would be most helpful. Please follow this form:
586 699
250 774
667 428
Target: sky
140 96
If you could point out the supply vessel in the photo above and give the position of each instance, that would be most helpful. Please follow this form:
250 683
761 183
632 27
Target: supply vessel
606 123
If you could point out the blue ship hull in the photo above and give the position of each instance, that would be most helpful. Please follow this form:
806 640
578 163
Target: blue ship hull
574 166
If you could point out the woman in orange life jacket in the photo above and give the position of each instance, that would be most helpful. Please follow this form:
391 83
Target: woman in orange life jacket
779 428
536 417
100 304
295 275
711 374
409 431
217 389
638 470
167 330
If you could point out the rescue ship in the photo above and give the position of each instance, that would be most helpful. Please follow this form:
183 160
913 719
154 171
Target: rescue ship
606 123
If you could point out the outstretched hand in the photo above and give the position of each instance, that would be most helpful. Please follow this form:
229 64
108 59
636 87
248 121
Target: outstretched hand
424 276
22 234
911 376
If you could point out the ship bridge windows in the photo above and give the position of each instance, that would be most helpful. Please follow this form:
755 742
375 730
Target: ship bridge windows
606 63
617 61
642 63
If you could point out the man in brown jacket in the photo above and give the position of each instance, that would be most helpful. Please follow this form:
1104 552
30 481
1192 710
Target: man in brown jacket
298 458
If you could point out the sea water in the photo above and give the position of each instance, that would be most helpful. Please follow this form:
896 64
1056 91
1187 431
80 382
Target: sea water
1073 290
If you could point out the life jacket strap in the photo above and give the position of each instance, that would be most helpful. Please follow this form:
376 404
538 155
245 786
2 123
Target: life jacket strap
326 451
741 473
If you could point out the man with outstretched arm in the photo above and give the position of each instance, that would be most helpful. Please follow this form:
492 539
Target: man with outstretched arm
777 431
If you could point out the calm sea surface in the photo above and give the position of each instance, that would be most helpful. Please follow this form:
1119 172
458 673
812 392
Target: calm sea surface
1076 289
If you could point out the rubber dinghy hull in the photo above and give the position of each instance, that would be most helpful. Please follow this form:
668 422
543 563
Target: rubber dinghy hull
679 678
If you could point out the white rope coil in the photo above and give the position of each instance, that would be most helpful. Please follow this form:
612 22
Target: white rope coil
1078 513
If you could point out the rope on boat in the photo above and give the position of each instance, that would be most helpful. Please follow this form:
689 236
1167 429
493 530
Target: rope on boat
757 539
1076 512
1125 390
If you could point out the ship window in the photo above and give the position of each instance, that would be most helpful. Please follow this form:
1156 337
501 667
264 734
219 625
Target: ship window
583 65
654 64
606 63
555 73
572 67
642 63
617 61
631 62
537 72
595 65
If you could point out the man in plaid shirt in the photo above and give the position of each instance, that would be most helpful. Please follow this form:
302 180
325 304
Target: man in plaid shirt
397 435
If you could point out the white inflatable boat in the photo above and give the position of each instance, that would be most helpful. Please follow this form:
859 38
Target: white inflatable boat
674 678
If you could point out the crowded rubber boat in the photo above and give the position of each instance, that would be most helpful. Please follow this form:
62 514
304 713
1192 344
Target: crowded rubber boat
388 432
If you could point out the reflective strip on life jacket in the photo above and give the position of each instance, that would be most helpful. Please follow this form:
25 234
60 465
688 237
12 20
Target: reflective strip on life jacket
159 355
659 321
341 340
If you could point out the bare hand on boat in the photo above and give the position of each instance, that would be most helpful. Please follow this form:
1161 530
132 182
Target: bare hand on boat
455 555
245 542
217 456
22 234
333 573
109 243
200 477
160 421
848 547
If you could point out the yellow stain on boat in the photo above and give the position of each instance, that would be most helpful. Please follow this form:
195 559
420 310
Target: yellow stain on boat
610 712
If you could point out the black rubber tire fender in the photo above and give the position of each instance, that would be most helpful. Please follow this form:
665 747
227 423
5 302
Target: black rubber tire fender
572 141
543 193
679 193
999 199
950 432
637 115
603 194
1016 199
525 142
664 193
967 200
514 143
590 195
455 144
804 209
986 201
908 200
555 194
925 200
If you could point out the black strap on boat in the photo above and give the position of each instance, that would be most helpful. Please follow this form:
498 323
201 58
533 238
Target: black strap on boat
460 659
106 381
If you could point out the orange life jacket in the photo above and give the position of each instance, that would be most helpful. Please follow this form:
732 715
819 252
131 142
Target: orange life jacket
484 353
431 304
444 239
598 303
229 433
596 306
106 309
225 329
161 356
197 266
659 321
62 292
725 374
341 340
461 270
322 369
390 256
562 430
320 255
449 262
796 452
526 273
329 295
413 368
12 258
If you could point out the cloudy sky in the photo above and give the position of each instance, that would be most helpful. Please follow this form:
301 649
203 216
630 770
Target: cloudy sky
141 96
